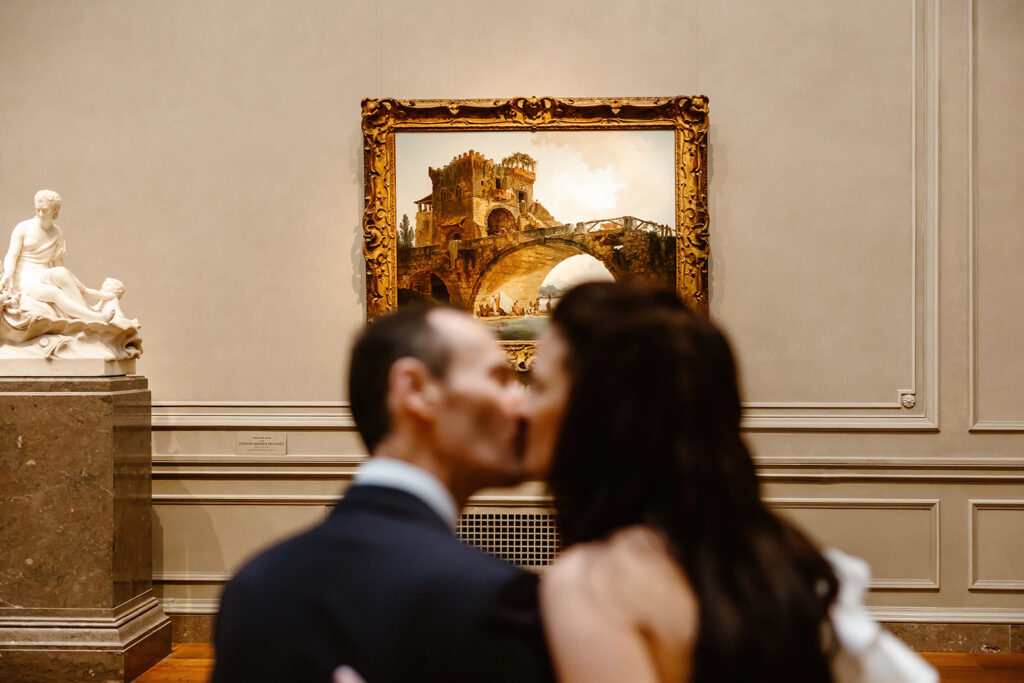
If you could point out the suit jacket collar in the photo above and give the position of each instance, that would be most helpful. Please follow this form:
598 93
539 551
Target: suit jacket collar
397 474
389 501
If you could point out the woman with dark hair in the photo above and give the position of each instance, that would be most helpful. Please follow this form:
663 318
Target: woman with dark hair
676 570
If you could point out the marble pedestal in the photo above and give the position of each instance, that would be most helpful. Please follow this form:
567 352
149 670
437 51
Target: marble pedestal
76 567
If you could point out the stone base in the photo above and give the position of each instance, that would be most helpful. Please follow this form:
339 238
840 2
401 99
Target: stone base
192 628
76 551
114 648
65 367
975 639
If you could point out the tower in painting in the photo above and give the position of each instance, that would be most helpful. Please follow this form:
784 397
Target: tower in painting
474 197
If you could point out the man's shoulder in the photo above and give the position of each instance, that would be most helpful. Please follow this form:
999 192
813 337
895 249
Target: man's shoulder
421 549
357 542
468 569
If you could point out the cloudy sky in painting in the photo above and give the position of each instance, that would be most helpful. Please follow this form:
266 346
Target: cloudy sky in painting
575 270
581 175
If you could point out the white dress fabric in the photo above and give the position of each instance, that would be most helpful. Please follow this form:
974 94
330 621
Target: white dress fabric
868 653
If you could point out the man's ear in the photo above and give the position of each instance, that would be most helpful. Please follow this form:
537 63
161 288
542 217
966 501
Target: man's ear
412 389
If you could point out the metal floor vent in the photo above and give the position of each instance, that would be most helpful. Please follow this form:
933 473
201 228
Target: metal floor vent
523 536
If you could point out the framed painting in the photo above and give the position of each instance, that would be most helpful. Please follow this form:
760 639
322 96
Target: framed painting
499 206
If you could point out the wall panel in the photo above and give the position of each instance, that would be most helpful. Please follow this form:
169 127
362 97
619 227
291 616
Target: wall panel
825 257
204 536
996 560
898 538
997 220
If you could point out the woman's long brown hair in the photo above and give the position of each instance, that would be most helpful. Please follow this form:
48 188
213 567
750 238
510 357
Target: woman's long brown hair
652 436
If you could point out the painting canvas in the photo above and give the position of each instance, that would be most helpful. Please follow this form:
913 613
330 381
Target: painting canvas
498 206
502 223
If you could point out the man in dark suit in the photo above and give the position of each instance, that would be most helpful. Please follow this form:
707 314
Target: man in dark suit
383 585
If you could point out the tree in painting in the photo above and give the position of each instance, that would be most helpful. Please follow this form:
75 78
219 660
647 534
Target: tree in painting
520 159
405 233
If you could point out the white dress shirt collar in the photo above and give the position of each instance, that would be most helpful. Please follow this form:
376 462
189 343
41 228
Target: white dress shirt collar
416 481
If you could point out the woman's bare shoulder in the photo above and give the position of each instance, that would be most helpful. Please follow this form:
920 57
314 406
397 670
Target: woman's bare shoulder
595 559
632 572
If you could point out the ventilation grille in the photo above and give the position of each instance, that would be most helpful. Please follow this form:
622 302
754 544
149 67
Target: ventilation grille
523 536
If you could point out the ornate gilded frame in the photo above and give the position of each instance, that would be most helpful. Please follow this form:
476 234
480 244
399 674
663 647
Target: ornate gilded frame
382 118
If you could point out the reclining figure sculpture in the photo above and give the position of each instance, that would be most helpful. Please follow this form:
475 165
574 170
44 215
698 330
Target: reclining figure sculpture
45 311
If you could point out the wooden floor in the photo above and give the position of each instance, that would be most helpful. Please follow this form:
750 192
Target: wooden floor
193 662
954 668
187 662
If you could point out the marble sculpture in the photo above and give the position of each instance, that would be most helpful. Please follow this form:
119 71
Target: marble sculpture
46 313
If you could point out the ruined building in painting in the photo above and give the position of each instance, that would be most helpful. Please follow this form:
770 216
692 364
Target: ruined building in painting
475 197
481 239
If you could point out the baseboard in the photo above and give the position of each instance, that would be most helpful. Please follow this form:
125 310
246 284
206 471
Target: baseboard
948 615
925 629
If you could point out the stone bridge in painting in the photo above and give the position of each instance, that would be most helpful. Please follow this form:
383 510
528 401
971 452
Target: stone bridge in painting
470 272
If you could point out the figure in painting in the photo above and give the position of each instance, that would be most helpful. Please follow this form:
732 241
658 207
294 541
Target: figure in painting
45 310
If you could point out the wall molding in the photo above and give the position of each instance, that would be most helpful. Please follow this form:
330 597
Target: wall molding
231 460
338 416
244 499
924 615
342 468
997 425
829 477
190 605
945 469
224 466
528 500
954 462
977 424
77 617
252 415
192 577
930 505
974 583
541 501
947 615
822 477
779 421
914 408
969 462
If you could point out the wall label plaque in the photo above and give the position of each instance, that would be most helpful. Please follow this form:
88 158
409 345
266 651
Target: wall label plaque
261 443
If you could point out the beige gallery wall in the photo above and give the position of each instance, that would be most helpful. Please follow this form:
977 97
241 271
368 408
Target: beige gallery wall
866 239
